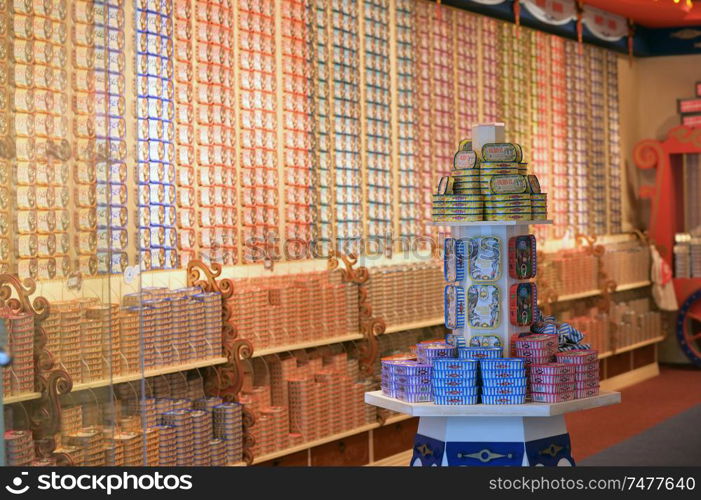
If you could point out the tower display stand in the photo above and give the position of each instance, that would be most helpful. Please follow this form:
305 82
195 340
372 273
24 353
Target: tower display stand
493 435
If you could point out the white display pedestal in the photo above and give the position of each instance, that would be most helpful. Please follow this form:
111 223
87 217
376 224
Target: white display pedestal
492 435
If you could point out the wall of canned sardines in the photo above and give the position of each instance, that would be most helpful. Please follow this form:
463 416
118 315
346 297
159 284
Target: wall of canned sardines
156 132
153 132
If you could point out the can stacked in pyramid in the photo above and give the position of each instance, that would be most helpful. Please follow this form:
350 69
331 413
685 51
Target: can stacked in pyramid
490 185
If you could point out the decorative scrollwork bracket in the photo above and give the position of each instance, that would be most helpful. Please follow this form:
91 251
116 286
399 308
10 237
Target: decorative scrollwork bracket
370 326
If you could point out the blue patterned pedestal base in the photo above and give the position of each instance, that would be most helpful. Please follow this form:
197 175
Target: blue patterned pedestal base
501 441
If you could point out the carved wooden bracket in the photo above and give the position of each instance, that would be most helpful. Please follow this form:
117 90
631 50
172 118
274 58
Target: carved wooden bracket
606 285
370 326
225 381
51 382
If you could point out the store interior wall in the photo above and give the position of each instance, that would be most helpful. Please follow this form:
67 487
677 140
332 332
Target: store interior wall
649 89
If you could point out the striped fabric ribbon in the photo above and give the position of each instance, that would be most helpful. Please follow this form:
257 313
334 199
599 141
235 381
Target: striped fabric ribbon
569 337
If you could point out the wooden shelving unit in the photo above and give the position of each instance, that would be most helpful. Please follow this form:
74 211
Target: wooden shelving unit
402 327
307 344
28 396
329 439
148 373
632 347
594 293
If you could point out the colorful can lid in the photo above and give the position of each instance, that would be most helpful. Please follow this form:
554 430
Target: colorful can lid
454 300
522 257
465 159
502 152
454 260
523 303
508 184
445 185
465 145
533 184
407 367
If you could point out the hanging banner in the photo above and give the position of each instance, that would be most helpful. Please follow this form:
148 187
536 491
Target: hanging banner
556 12
489 2
604 25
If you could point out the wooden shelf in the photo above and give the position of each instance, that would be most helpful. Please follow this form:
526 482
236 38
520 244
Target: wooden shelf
401 459
631 347
493 223
327 439
594 293
148 373
237 464
306 345
480 410
27 396
439 320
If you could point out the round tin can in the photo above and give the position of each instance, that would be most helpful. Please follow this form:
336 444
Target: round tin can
504 399
458 218
504 391
524 216
469 365
579 357
457 379
456 400
458 198
505 206
501 363
488 210
541 397
551 379
503 198
456 391
479 352
552 369
556 388
586 393
501 152
539 341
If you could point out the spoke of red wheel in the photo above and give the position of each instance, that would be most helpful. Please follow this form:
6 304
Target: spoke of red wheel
696 337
